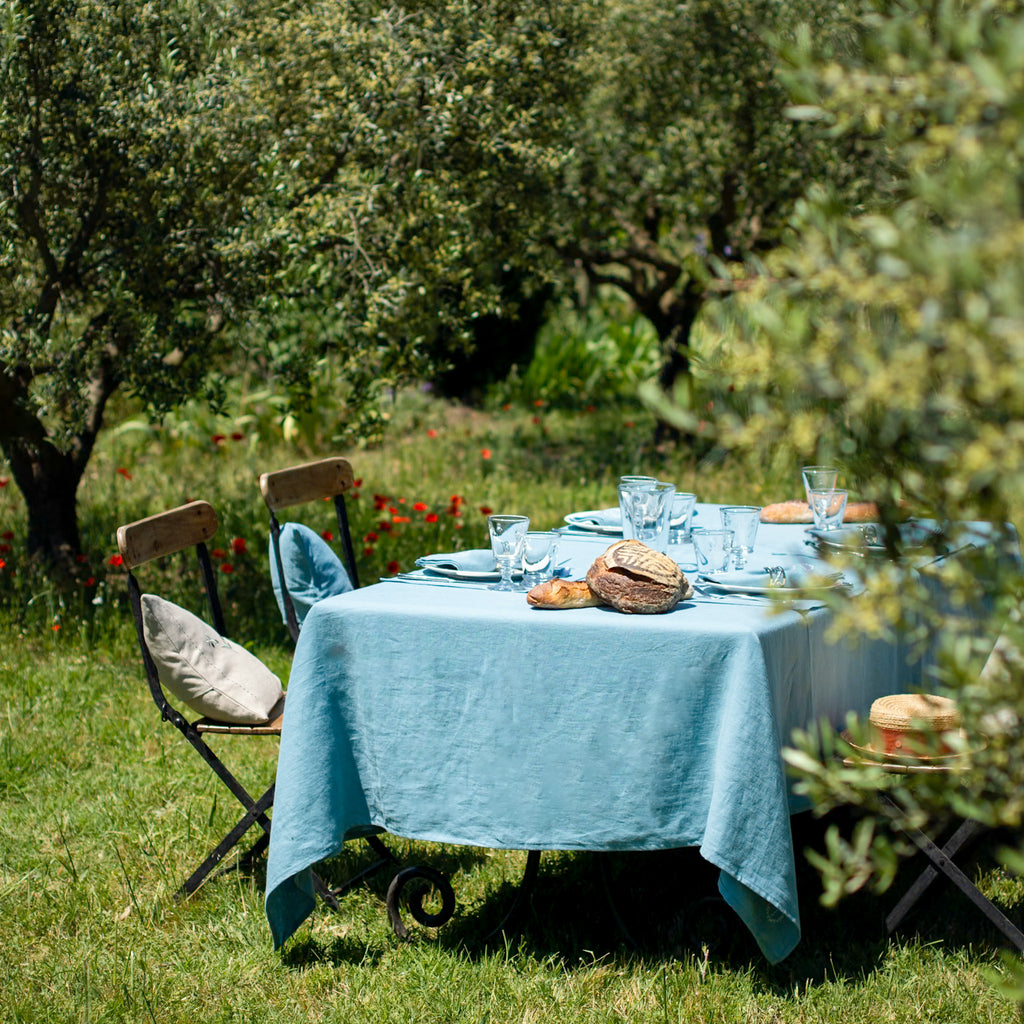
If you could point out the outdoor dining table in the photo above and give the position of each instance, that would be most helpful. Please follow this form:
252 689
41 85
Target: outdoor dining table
451 713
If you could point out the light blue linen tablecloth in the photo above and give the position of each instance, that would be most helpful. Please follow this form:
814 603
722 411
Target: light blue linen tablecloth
459 715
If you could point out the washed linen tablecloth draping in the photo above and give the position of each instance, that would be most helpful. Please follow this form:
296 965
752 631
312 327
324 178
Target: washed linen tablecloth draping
460 715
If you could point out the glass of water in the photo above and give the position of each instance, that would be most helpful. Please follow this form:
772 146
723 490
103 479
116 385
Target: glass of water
508 538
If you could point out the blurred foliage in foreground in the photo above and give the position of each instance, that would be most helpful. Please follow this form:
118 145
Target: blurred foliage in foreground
892 342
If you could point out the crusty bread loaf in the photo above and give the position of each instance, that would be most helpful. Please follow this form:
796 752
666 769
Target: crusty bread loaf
563 594
629 576
633 578
800 512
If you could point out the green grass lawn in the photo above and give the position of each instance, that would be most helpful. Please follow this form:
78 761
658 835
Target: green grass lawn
104 810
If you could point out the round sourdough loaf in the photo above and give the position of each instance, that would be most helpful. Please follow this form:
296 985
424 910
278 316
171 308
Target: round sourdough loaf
631 577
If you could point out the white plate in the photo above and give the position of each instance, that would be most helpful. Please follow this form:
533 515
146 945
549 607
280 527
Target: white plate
467 574
720 582
868 538
605 521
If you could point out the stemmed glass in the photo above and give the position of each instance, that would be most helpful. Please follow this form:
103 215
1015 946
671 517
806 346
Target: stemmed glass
508 537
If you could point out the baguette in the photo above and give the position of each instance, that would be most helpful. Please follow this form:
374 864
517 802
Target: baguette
558 593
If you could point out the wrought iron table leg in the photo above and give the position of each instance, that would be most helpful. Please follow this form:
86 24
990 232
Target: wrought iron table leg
416 897
513 916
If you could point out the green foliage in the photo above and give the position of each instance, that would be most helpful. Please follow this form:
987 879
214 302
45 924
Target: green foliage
601 354
889 341
104 809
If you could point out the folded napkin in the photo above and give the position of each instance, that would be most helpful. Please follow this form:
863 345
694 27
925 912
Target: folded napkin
598 517
474 560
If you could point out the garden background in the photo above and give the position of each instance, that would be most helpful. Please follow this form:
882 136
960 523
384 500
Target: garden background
496 259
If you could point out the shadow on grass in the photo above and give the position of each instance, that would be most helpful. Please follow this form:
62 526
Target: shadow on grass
664 906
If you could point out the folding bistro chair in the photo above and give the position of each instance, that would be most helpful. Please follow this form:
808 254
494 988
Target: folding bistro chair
306 568
190 526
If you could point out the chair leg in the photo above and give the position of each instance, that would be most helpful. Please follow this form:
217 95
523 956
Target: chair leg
941 863
256 813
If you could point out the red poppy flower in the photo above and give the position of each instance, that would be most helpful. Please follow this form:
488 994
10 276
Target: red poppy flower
3 564
4 481
7 535
327 535
55 626
384 525
367 551
236 436
81 559
227 567
535 419
5 548
238 545
115 560
218 553
90 582
124 472
357 482
485 453
371 538
401 519
431 432
538 402
430 517
629 424
393 567
420 506
218 439
486 510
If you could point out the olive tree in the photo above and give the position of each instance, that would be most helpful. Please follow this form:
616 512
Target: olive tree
891 340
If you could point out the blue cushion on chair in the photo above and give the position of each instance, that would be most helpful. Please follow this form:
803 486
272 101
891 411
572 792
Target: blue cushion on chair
312 570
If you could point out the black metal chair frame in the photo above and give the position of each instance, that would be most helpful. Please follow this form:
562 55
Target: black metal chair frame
324 478
167 533
940 862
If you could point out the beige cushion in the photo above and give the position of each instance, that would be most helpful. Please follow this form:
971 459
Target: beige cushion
209 673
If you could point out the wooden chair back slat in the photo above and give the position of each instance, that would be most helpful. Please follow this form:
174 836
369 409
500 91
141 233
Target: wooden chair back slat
166 532
324 478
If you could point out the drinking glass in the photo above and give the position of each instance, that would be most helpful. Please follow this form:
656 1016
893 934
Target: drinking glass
713 548
629 486
508 537
647 511
828 506
539 557
819 478
683 505
742 520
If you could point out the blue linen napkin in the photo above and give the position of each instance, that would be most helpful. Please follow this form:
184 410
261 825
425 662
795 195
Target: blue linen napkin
474 560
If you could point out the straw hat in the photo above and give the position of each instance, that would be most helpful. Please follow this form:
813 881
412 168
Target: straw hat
905 723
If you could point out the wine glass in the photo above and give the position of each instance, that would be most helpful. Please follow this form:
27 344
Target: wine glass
508 536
